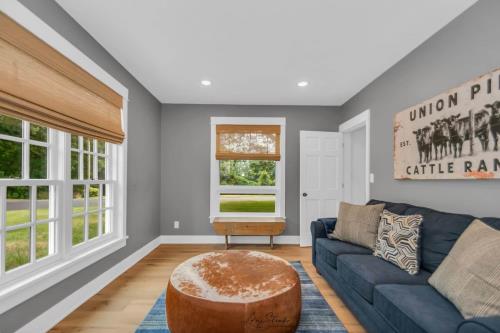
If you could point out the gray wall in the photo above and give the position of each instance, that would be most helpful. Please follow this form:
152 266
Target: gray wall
467 47
186 159
143 190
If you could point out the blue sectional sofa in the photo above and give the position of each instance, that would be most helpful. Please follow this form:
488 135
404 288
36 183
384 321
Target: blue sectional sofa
385 298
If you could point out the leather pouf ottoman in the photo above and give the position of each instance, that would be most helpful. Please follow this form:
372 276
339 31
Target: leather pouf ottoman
234 292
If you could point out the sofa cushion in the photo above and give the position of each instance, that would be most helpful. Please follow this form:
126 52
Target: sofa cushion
363 272
470 275
493 222
416 308
358 224
396 208
329 250
398 240
440 231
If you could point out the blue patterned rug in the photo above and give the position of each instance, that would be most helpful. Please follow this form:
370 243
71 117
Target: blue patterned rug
316 315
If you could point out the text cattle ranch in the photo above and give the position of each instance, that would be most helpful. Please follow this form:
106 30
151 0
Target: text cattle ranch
454 135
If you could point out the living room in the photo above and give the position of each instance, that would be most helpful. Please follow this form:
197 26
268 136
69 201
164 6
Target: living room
249 166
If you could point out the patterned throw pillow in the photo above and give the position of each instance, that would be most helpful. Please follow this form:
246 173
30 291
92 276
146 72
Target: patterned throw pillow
398 241
469 277
358 224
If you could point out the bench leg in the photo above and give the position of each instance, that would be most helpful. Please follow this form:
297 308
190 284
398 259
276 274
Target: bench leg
227 242
271 241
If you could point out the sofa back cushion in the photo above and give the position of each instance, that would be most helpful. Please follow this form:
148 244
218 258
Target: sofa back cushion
395 208
440 230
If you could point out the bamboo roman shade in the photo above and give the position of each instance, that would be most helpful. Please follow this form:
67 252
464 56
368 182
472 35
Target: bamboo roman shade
248 142
39 84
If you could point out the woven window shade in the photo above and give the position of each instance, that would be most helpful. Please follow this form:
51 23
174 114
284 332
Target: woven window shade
248 142
39 84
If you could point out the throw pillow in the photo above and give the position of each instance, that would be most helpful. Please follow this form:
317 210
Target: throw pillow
398 240
469 277
358 224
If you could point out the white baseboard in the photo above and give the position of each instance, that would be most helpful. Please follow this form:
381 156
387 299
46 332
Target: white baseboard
213 239
58 312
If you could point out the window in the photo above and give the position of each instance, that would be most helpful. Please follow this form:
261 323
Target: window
247 167
91 207
59 91
56 197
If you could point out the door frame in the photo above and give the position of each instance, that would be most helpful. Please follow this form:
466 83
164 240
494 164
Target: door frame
359 121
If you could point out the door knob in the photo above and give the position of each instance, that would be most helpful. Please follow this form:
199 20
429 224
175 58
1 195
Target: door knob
304 194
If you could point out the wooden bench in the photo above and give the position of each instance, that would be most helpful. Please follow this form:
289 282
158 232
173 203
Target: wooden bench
249 226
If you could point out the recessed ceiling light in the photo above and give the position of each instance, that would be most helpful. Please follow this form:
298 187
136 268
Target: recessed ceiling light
302 83
206 83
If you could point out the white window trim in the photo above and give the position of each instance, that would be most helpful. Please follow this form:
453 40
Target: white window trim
44 277
216 189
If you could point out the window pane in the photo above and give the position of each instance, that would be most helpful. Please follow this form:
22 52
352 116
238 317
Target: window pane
75 165
78 199
247 203
38 133
18 205
101 168
93 225
74 142
17 248
88 144
11 126
42 203
38 162
43 238
246 172
104 220
101 147
11 159
105 189
78 235
88 163
93 197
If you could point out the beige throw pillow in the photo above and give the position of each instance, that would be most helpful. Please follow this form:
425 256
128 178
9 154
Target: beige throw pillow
469 277
358 224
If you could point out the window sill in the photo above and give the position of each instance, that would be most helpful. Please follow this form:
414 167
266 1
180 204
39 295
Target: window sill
25 289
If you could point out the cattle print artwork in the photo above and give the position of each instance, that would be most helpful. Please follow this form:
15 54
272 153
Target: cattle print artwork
455 135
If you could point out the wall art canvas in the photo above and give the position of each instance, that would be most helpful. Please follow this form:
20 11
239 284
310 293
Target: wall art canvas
455 135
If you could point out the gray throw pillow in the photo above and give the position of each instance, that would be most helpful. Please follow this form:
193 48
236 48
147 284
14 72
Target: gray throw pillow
398 240
469 277
358 224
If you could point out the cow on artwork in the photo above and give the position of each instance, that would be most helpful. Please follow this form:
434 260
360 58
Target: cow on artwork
440 138
460 131
424 143
495 122
482 128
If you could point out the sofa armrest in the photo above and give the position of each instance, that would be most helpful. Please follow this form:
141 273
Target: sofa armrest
480 325
319 229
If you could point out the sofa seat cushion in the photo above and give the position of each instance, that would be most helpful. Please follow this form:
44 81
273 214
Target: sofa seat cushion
329 250
416 308
363 272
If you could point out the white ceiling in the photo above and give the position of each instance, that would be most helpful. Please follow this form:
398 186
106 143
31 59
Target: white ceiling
255 51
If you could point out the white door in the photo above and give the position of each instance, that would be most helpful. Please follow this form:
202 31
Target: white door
320 178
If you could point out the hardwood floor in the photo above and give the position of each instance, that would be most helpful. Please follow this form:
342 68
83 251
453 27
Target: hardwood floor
122 305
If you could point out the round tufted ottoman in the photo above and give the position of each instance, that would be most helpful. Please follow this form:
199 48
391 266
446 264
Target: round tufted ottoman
234 292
